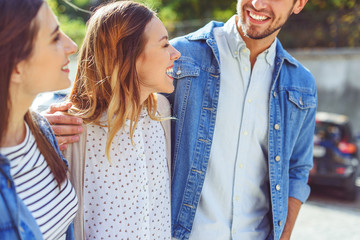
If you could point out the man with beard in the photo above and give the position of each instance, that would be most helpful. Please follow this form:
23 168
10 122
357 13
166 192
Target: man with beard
243 134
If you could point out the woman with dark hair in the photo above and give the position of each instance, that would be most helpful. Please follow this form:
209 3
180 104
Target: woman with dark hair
37 200
120 168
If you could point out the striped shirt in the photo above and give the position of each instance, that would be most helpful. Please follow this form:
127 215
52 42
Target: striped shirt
53 208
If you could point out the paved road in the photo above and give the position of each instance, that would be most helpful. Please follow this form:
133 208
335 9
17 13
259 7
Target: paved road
327 216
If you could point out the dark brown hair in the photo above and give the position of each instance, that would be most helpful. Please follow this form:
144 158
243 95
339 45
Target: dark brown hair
18 30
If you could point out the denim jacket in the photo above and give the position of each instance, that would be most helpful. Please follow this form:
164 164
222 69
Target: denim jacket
292 108
16 221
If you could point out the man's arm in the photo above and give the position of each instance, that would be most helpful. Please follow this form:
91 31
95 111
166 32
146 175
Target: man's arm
294 206
64 126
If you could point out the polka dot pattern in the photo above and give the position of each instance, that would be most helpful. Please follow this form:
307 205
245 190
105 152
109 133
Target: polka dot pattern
129 198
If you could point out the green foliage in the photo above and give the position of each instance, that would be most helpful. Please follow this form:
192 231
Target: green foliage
323 23
316 5
74 26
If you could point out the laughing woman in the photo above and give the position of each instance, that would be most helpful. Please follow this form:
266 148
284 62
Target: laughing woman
120 167
37 200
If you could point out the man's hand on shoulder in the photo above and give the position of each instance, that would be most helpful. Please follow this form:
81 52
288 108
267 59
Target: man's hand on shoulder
65 127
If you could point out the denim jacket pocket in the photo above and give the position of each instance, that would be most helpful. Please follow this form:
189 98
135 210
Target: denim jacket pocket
185 68
302 100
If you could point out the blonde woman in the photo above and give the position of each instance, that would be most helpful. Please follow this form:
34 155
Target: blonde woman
120 167
37 201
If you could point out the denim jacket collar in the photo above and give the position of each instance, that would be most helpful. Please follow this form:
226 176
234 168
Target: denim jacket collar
206 33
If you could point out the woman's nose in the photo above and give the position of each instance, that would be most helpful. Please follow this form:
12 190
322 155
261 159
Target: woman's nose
70 46
175 55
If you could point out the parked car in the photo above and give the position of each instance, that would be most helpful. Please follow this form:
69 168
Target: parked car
336 161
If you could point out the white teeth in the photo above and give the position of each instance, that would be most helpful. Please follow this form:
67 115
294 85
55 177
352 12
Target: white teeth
169 71
257 17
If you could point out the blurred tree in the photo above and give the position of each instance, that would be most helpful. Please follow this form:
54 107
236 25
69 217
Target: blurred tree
72 25
323 23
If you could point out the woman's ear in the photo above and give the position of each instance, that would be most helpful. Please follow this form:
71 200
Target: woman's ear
16 75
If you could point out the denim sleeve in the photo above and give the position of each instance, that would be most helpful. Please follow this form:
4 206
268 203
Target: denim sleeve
70 232
302 159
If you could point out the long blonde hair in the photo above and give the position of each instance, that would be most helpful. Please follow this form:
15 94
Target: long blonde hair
106 79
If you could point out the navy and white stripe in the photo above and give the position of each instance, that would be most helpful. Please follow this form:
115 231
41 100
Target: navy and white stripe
53 208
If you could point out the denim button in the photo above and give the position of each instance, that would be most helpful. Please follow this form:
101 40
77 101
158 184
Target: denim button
280 223
277 126
274 94
301 102
277 158
277 187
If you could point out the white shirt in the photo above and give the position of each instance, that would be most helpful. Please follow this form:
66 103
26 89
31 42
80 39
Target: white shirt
234 202
53 208
129 198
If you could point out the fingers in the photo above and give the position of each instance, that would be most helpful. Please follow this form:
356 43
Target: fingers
66 130
58 107
64 140
60 118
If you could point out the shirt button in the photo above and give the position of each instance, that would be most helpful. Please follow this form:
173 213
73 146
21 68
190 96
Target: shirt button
244 50
250 100
280 223
277 158
301 102
246 133
277 126
274 94
141 155
237 198
277 187
245 68
236 52
178 72
241 165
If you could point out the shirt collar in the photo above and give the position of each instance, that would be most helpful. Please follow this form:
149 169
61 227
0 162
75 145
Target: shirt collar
233 38
237 44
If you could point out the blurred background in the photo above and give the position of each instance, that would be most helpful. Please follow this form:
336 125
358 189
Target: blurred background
325 38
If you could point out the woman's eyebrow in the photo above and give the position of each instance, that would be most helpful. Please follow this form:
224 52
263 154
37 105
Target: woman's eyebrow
56 30
164 37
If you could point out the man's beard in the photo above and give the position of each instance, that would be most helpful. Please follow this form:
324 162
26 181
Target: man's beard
258 35
253 34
